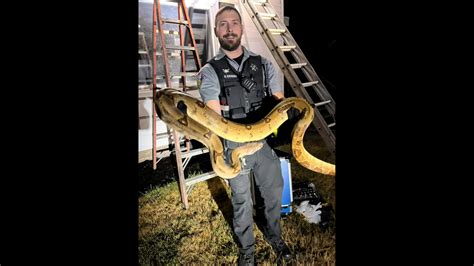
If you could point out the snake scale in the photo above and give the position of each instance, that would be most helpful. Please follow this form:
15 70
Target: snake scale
206 126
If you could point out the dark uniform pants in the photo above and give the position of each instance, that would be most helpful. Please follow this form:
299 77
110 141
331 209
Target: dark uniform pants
265 166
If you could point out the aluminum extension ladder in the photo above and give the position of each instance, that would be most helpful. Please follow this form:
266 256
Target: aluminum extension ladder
144 60
297 70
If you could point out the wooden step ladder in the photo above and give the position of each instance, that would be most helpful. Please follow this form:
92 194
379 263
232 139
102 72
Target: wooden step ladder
299 73
183 48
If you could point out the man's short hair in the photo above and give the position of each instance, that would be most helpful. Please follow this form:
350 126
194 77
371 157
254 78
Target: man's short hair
227 8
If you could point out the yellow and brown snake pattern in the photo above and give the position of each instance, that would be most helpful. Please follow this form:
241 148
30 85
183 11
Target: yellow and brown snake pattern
206 126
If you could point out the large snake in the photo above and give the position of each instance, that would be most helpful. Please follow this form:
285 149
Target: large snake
206 126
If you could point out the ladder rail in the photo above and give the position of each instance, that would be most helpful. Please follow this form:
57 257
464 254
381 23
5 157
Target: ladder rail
191 34
164 50
154 74
181 43
183 60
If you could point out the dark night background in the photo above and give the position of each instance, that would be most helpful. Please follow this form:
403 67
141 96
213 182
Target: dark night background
313 28
69 113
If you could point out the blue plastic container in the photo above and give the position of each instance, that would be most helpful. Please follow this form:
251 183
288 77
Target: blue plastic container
287 194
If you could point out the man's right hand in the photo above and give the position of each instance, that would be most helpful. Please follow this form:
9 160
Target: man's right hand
214 105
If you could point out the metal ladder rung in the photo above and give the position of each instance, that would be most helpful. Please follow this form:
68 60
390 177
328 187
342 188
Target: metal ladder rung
276 31
182 74
170 53
145 65
286 48
144 91
307 84
175 21
194 152
265 15
331 125
162 135
141 33
144 87
172 76
196 179
163 153
298 65
321 103
142 52
162 77
169 32
173 47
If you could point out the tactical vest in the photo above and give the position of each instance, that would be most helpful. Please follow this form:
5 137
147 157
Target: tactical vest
241 93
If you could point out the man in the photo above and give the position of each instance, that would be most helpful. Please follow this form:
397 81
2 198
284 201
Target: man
236 84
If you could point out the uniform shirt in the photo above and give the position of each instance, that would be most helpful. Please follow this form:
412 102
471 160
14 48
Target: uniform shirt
210 87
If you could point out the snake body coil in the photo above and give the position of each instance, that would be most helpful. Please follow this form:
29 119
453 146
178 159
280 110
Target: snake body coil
206 126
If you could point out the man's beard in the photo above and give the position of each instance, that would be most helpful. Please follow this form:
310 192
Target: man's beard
229 46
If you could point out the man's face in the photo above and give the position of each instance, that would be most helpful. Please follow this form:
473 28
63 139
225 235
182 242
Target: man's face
228 30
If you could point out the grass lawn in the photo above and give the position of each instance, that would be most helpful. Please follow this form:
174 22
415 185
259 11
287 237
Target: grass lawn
169 234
